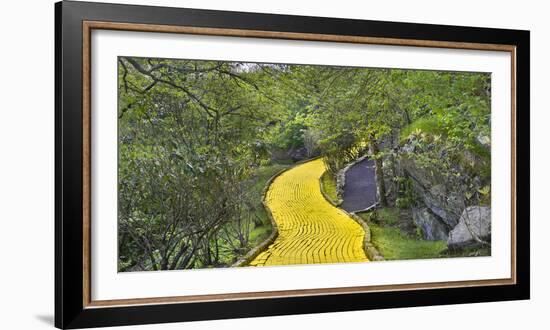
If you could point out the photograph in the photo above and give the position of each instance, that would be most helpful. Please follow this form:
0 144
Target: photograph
241 164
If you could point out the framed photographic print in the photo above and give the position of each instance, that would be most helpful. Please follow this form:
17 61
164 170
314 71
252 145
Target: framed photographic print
214 164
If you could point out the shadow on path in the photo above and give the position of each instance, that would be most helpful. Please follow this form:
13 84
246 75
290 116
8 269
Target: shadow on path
45 318
360 187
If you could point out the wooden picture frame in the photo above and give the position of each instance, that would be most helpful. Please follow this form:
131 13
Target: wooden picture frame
74 306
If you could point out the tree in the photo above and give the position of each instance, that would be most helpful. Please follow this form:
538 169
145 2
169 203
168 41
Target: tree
188 133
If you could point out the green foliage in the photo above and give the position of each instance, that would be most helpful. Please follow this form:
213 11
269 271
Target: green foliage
442 137
289 134
189 139
328 185
403 202
405 195
427 125
485 195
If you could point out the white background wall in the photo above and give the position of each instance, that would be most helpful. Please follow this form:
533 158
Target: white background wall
27 168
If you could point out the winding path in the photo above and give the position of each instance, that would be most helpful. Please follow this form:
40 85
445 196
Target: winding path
360 187
311 230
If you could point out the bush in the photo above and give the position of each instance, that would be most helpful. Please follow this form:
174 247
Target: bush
328 185
430 125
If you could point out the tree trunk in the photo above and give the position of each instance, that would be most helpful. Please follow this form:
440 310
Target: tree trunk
394 175
380 185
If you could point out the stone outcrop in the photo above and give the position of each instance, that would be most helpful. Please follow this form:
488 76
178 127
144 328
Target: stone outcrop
439 206
439 201
432 227
474 227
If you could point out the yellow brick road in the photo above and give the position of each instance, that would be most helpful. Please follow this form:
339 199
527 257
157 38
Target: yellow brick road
311 230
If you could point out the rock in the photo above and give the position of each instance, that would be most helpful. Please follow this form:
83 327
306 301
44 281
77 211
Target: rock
432 227
474 220
434 193
444 204
407 148
485 141
298 154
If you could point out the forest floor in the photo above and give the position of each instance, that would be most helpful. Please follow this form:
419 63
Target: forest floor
311 230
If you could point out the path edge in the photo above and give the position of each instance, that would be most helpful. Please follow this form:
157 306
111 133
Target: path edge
370 250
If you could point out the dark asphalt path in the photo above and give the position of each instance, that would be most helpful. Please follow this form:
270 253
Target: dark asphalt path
360 187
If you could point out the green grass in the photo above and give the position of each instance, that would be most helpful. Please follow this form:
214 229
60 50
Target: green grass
262 175
393 244
328 184
388 216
